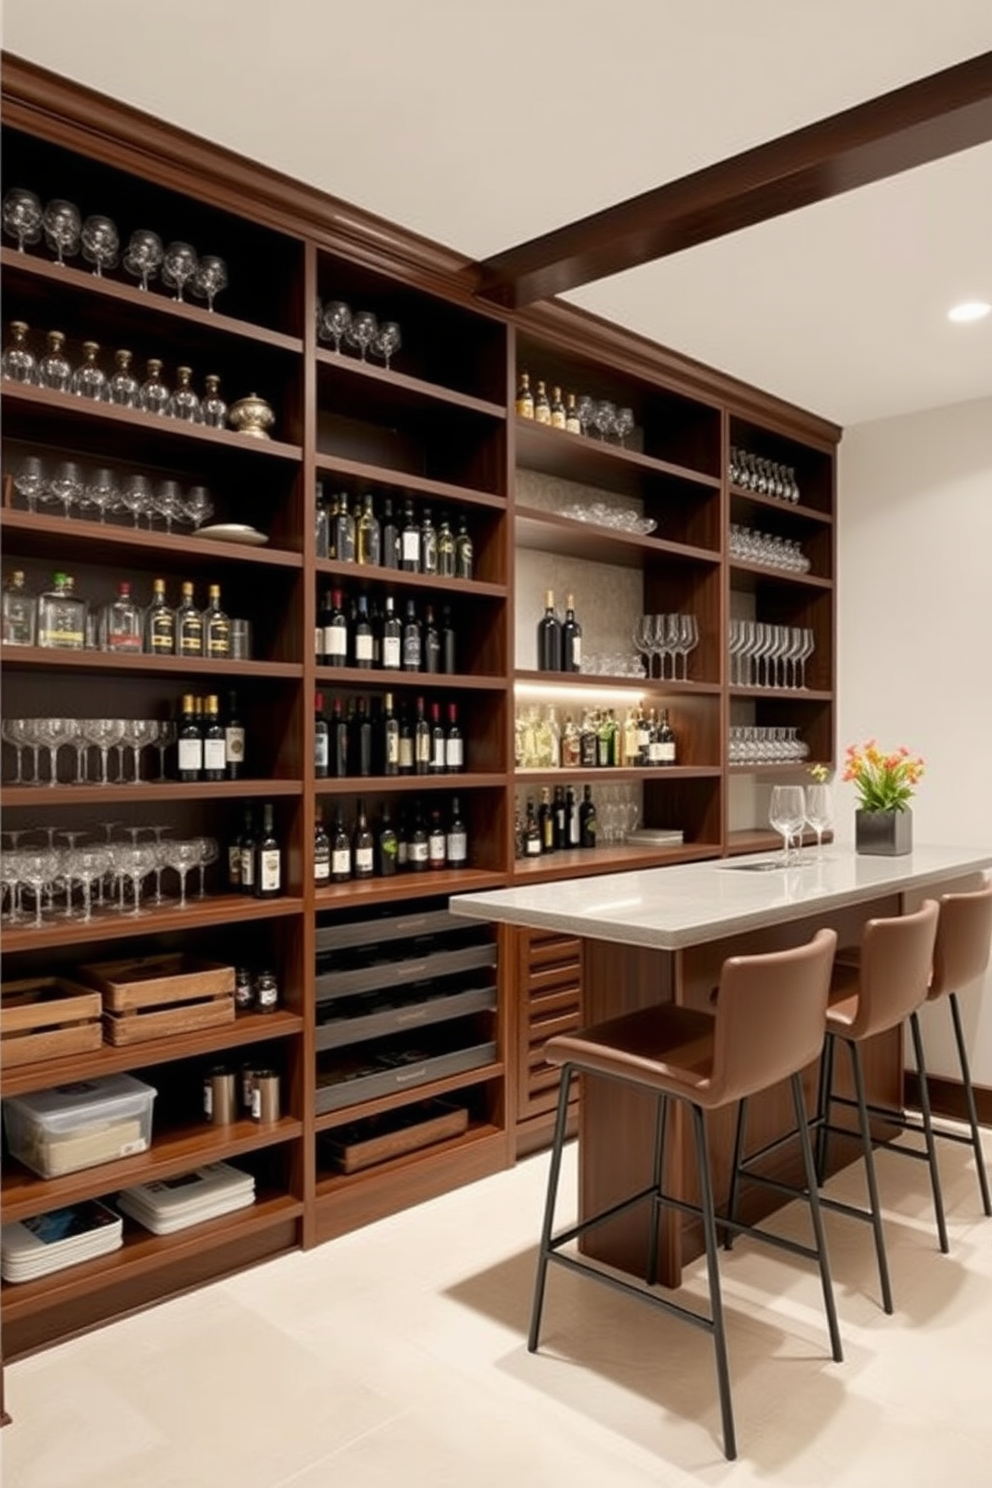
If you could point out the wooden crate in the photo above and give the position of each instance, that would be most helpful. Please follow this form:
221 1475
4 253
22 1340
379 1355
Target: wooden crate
158 996
379 1138
45 1018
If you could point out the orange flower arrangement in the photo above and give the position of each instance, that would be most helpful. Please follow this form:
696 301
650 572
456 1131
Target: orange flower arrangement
884 782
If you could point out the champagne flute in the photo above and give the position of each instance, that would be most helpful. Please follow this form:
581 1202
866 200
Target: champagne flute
819 812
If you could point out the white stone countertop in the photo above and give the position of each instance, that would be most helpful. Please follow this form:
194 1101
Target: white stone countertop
691 903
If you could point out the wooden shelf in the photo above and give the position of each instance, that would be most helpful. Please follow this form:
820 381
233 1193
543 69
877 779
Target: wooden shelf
379 679
459 780
406 885
549 532
405 482
761 573
589 683
430 1090
577 862
774 503
41 535
40 658
607 774
395 388
42 797
215 909
351 574
591 462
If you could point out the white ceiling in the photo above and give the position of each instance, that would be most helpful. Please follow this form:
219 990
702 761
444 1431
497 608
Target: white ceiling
483 124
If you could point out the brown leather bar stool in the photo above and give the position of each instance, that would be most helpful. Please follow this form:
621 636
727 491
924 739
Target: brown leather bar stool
768 1025
887 985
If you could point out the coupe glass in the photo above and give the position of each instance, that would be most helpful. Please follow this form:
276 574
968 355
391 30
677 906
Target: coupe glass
787 813
134 861
52 734
819 812
182 856
19 362
89 380
210 278
54 370
138 733
144 255
12 875
179 265
62 225
101 243
22 214
105 734
91 863
14 733
334 322
387 341
209 853
362 332
39 866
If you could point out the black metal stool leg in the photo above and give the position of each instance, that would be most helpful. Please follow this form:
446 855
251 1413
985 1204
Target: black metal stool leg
728 1234
823 1094
716 1303
921 1069
549 1207
969 1091
661 1123
876 1211
816 1217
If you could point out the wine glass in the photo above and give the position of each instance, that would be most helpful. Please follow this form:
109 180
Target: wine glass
92 861
136 496
209 853
138 732
66 485
30 480
387 341
182 856
39 866
362 331
210 278
604 417
105 734
819 812
62 226
100 242
179 265
165 736
169 503
144 255
199 506
134 861
22 215
623 424
334 322
787 813
101 491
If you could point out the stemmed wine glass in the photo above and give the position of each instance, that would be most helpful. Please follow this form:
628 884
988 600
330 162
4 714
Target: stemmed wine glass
52 734
134 861
334 322
209 853
387 341
31 481
199 506
101 491
787 813
136 496
604 418
92 861
210 278
182 856
62 225
165 736
100 243
39 866
66 485
819 812
144 255
179 266
22 216
105 734
362 331
623 424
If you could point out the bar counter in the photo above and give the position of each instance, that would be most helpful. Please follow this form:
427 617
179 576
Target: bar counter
662 934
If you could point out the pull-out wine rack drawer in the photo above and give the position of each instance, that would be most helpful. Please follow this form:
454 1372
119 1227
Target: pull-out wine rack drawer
550 988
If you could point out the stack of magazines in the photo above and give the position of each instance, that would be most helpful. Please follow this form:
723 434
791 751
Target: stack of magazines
169 1204
64 1237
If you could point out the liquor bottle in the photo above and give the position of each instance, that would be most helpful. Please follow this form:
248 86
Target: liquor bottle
525 398
412 640
120 623
322 524
606 735
630 750
409 541
571 744
560 818
216 628
587 819
654 740
61 617
588 742
421 741
344 537
518 832
324 608
464 552
431 643
20 611
437 841
448 662
268 858
456 844
247 852
190 742
386 845
189 625
445 549
332 513
557 409
390 734
213 409
546 821
643 739
573 825
234 738
321 740
532 833
336 633
340 850
428 543
214 753
337 761
321 851
573 424
234 855
362 648
402 841
419 846
667 748
437 764
549 637
392 638
360 740
160 623
542 405
406 741
571 639
363 846
454 744
369 534
390 536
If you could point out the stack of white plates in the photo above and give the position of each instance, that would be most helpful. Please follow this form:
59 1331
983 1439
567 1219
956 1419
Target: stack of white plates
169 1204
64 1237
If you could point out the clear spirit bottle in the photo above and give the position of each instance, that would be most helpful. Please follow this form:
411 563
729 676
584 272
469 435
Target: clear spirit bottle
121 623
62 616
216 628
189 625
20 611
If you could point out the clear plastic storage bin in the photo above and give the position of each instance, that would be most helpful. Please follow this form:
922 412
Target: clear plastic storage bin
79 1125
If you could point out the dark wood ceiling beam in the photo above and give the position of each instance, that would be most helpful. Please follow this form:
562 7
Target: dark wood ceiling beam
911 126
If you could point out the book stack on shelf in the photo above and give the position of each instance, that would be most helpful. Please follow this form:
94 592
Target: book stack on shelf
48 1242
170 1204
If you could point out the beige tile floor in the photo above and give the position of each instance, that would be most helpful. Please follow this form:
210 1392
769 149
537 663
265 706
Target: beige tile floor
397 1356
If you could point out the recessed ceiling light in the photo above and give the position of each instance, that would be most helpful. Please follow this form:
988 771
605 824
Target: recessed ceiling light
969 310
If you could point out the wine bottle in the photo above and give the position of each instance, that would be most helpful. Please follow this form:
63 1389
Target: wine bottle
340 850
369 533
392 638
214 754
560 819
573 424
431 644
588 743
324 612
360 739
363 846
321 851
419 845
572 818
321 740
587 819
448 663
390 728
557 409
361 636
234 738
667 748
216 628
268 858
410 541
428 543
542 405
390 536
406 741
336 633
344 532
437 841
456 846
421 741
549 637
189 625
190 743
412 640
464 552
402 841
234 857
525 398
247 846
571 639
387 844
321 524
532 833
546 821
445 549
454 746
571 744
437 764
338 761
160 623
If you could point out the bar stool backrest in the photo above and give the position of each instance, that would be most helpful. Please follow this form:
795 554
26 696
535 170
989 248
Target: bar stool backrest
770 1017
964 941
895 966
